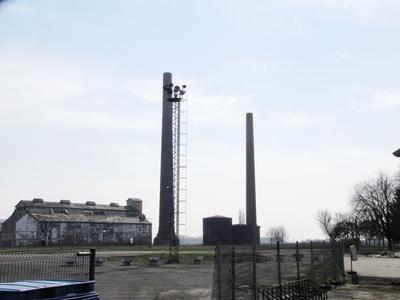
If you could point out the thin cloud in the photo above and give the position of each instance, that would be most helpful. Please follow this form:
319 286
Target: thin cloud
365 11
246 64
97 120
147 89
216 109
19 8
37 90
346 56
295 120
384 100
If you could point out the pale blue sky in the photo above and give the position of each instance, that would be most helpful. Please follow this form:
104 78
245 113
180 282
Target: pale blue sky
80 101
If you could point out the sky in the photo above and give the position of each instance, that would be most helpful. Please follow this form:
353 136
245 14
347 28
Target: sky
80 102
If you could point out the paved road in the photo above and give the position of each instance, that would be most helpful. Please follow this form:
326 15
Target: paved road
374 266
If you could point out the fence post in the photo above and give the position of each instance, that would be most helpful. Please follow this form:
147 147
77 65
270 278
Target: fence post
341 253
297 261
92 264
219 272
324 262
312 254
278 257
233 272
254 272
278 248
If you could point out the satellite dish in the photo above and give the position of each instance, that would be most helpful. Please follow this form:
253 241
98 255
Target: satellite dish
397 153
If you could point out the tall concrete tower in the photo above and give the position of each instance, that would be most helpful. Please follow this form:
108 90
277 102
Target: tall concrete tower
251 211
166 232
253 230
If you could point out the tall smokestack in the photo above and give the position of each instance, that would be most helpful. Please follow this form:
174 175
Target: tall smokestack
251 212
166 221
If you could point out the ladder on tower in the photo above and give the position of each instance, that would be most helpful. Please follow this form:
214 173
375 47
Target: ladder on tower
181 203
179 168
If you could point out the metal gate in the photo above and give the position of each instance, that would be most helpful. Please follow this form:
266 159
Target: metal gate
240 271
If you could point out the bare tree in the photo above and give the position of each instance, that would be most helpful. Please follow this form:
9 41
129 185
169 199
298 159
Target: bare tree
374 200
396 214
349 228
277 234
325 220
332 226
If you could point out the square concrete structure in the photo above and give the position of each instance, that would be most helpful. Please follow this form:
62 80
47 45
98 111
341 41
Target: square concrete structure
243 234
217 230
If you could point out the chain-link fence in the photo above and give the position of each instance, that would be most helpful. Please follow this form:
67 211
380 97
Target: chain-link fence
240 270
47 264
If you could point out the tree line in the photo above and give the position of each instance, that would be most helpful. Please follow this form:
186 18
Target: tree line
374 214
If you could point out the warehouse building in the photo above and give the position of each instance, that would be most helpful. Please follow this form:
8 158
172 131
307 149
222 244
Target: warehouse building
41 223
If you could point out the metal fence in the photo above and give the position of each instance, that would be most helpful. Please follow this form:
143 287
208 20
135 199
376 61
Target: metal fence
240 270
47 264
299 289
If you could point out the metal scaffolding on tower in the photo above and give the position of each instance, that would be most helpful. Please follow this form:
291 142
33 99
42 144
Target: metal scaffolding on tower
181 199
179 166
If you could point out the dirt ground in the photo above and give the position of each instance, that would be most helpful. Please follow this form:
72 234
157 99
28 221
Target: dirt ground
190 281
365 292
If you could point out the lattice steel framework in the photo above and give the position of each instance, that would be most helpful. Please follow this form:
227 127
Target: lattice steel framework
182 176
179 167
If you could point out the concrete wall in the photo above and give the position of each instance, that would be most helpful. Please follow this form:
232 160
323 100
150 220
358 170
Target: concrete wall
97 233
217 231
26 231
135 204
245 234
8 228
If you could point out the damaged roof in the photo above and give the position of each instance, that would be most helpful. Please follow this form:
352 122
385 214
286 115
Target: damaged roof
48 204
85 218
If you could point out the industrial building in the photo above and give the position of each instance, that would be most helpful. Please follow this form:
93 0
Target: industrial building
41 223
218 229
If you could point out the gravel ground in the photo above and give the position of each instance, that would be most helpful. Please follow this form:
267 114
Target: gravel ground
114 281
189 281
365 292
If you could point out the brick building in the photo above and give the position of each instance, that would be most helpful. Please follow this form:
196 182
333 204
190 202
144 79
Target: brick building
42 223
